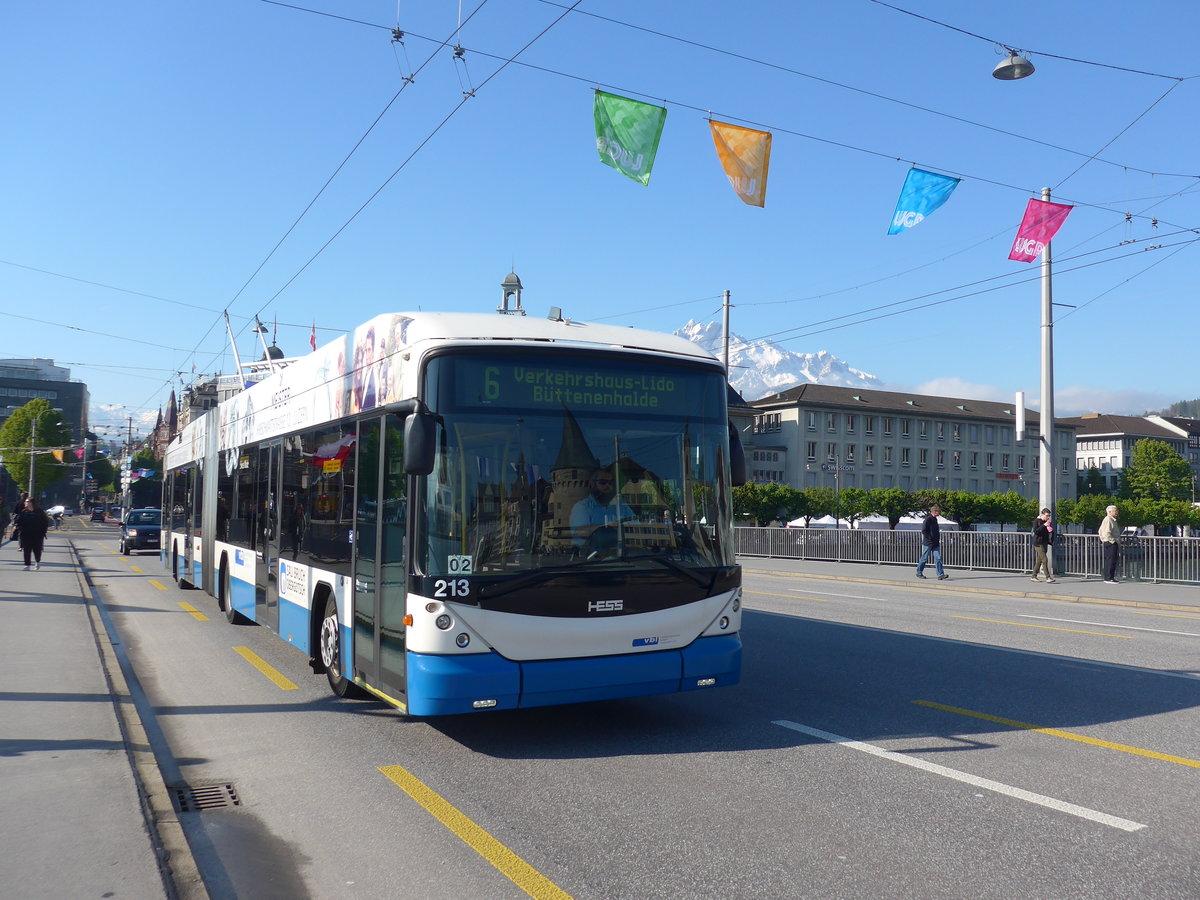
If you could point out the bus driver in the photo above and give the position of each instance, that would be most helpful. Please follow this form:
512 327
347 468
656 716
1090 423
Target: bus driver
597 509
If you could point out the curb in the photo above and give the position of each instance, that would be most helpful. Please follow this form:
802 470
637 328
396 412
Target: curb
176 864
964 589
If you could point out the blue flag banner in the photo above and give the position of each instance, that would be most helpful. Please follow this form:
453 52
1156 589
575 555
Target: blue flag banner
923 192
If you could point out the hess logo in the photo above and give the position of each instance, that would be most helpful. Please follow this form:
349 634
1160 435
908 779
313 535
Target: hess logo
606 605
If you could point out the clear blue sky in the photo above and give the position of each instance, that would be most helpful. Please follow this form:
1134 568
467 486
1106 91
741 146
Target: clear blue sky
165 148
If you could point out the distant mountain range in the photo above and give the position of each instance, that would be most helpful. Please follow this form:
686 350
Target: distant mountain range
759 368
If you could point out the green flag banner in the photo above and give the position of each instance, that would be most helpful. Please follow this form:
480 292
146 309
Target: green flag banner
627 134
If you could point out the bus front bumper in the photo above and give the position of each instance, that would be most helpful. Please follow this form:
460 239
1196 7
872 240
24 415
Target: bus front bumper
447 685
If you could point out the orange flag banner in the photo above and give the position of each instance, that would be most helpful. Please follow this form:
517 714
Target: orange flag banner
745 155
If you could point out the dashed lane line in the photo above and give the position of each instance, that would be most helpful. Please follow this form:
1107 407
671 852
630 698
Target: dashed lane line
1066 735
987 784
193 612
1113 625
786 596
512 866
274 675
1128 637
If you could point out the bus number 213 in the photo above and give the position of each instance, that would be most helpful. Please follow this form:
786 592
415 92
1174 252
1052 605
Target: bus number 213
452 587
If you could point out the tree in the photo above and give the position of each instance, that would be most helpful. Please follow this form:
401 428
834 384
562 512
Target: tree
1088 510
962 507
102 472
893 503
15 437
1092 482
147 490
852 505
1008 506
1156 471
763 503
819 503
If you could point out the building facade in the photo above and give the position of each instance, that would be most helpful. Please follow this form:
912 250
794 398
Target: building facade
22 380
1105 442
816 435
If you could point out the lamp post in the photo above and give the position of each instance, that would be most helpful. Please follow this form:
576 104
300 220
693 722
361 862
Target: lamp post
1046 444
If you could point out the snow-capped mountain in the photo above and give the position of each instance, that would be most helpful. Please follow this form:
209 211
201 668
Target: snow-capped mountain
760 368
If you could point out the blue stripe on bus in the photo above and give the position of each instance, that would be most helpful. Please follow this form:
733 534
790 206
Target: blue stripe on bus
444 685
293 624
242 598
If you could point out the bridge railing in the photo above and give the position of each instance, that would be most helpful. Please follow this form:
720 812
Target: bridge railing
1142 558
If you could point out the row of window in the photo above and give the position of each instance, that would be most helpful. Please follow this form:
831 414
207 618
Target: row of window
892 425
1098 462
848 455
27 393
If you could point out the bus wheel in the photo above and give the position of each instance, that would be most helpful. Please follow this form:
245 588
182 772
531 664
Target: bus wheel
232 616
331 653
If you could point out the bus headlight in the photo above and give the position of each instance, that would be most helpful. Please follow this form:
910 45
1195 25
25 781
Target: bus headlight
443 621
463 639
724 623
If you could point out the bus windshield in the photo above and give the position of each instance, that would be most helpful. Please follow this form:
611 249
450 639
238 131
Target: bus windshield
557 461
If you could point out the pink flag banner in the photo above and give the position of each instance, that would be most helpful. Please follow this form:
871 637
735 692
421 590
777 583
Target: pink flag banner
1042 221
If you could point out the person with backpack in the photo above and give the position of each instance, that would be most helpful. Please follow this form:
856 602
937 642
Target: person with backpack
1043 538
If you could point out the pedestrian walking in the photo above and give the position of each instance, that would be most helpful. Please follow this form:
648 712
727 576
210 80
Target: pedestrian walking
931 544
5 518
33 524
1043 540
1110 540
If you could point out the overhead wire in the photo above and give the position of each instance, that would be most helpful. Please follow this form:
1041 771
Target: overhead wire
1086 62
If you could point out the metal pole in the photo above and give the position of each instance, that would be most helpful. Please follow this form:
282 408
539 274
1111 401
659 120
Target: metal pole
32 458
725 331
1046 446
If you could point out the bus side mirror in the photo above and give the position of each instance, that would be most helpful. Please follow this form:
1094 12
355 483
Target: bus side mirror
737 458
420 443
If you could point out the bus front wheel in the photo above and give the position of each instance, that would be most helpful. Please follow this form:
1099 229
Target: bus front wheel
331 653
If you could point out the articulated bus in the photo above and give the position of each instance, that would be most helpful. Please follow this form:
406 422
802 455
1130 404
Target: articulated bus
460 512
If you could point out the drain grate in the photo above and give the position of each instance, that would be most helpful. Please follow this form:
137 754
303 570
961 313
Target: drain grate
198 798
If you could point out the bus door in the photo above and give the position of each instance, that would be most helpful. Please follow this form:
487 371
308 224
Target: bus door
266 571
380 584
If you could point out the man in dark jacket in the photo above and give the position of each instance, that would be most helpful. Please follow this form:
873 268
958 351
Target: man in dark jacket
931 543
32 522
1043 537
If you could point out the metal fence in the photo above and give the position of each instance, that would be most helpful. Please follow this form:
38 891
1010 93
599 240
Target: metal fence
1142 558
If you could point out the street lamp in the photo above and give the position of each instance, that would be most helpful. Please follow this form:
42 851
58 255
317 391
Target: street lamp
1012 68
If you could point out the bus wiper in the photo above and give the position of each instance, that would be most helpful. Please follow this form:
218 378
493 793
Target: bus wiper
537 576
699 578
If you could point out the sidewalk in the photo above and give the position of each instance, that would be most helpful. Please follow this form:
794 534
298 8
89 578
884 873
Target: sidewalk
78 784
1172 597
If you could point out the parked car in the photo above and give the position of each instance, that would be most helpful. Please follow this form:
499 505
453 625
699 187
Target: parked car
141 530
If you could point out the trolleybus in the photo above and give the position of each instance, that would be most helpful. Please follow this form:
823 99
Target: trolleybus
460 512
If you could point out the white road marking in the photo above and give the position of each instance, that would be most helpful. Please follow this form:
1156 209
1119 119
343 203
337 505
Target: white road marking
974 780
1111 625
832 594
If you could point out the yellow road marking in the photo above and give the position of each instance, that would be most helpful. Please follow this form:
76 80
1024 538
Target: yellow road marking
1055 732
195 613
135 568
789 596
266 668
1047 627
1167 615
161 587
519 872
